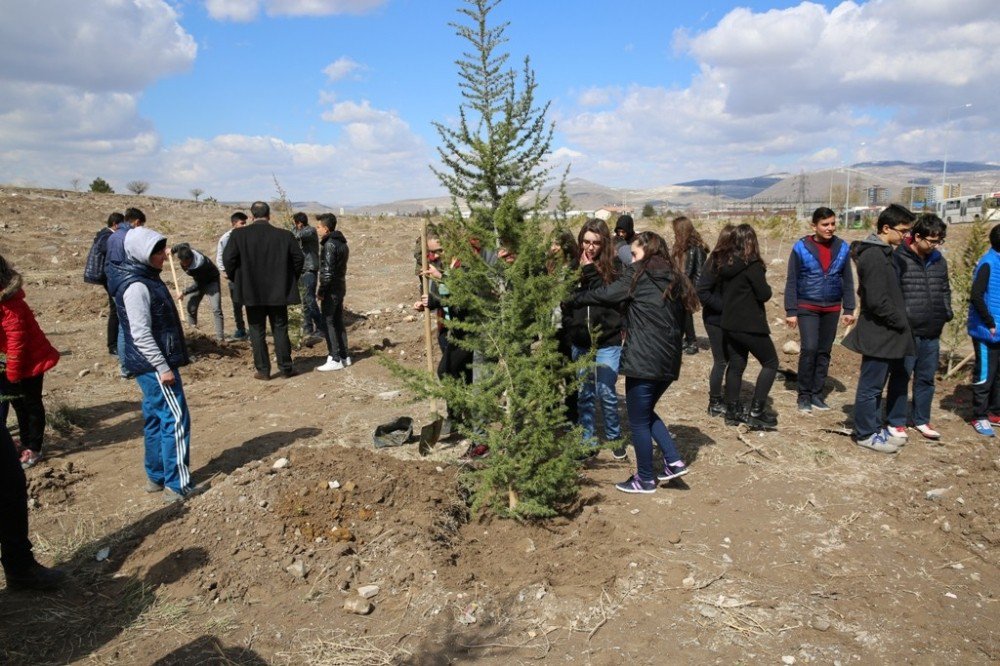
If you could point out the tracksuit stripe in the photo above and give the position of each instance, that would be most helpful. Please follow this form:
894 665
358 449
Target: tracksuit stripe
982 363
179 434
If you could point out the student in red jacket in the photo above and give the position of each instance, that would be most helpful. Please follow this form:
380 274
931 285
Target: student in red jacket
28 355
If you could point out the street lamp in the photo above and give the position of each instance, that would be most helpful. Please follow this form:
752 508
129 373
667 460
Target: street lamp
847 196
944 165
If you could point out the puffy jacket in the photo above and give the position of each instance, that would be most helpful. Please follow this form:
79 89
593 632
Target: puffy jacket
977 328
28 351
882 330
744 292
333 265
806 283
654 325
926 291
93 272
579 321
709 289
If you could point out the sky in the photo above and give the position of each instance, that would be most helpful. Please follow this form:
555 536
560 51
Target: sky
336 99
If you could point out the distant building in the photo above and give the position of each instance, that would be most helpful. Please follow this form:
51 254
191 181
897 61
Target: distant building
608 212
878 196
915 196
942 192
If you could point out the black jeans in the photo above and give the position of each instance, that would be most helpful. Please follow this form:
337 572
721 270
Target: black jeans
277 315
719 360
986 380
15 548
112 324
690 337
817 331
237 308
740 346
336 333
26 398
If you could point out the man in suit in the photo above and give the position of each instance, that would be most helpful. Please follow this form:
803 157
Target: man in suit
265 262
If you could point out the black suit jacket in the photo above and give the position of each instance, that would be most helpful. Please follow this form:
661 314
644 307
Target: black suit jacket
264 263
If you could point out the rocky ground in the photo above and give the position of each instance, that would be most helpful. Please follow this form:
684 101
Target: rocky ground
312 547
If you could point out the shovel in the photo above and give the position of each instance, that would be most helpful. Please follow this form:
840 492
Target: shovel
430 433
177 287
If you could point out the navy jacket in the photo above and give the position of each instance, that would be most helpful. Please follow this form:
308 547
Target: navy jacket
166 324
882 330
807 283
926 290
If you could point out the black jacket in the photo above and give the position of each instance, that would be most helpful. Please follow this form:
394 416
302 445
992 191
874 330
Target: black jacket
93 272
309 242
882 330
333 265
654 326
709 288
264 264
694 262
606 321
926 291
744 292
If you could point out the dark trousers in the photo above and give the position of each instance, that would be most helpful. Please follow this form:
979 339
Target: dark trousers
641 396
817 331
333 324
277 315
922 367
15 548
690 337
237 308
112 325
455 361
868 397
986 380
312 319
26 399
739 347
719 360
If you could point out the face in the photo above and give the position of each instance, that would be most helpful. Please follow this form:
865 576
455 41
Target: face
239 223
897 235
157 258
825 228
322 231
433 249
185 264
591 245
619 233
506 255
637 252
925 245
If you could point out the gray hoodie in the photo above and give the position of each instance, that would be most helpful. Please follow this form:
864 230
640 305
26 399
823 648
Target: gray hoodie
139 244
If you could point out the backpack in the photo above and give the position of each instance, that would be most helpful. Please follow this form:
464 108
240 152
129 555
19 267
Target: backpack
93 271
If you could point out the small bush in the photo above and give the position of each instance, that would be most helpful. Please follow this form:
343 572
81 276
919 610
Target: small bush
101 186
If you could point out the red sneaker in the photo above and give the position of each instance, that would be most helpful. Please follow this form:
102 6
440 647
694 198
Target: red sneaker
29 458
993 418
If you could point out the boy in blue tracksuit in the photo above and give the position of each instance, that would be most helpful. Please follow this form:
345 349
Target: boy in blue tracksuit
153 351
984 310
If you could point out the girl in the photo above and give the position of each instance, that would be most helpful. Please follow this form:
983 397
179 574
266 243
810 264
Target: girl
599 326
819 280
656 296
710 294
28 357
689 252
744 325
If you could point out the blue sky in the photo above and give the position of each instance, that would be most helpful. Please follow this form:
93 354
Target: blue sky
336 97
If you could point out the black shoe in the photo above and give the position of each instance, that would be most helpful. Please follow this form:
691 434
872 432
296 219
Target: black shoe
734 414
288 374
716 407
819 403
264 376
619 453
113 351
805 406
759 419
37 578
691 349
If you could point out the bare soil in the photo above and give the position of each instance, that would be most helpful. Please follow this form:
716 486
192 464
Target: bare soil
787 545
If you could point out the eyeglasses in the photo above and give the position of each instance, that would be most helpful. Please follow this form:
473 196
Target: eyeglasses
933 241
591 242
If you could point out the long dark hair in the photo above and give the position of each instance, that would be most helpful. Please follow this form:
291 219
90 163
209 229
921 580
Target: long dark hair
656 252
605 263
7 273
740 243
685 238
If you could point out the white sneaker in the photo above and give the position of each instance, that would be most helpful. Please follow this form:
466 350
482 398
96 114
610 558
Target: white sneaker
346 361
330 365
899 432
927 431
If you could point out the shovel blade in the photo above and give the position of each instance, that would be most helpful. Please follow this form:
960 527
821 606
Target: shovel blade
429 435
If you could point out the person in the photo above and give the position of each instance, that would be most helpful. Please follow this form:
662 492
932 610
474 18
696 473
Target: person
624 235
93 273
984 310
745 331
923 277
709 288
265 262
236 220
153 352
206 283
564 255
597 327
882 335
655 294
331 290
312 320
28 355
116 256
20 568
819 281
689 252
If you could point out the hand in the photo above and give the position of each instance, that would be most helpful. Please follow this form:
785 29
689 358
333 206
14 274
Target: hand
848 320
993 332
792 322
585 260
418 306
433 272
167 378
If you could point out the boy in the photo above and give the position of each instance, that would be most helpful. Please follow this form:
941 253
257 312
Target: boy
236 220
206 283
984 309
152 352
331 290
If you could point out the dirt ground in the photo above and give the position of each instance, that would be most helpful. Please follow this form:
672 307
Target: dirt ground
786 547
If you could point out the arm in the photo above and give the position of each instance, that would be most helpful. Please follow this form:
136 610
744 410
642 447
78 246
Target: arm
978 296
792 285
325 275
877 275
14 328
295 254
850 302
758 282
946 292
709 296
220 248
609 294
140 320
231 258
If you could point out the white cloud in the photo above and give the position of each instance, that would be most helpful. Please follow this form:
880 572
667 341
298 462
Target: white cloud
341 68
592 97
248 10
233 10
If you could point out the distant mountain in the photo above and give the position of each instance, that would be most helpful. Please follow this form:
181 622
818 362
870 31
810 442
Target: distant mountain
739 188
934 166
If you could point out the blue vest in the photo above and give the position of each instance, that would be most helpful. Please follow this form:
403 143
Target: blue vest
815 286
166 325
977 328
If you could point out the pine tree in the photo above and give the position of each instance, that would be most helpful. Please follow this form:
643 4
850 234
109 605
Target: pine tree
507 292
976 245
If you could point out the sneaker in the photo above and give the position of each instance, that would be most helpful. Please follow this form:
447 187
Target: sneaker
672 472
993 418
239 335
820 404
634 484
805 406
36 578
928 431
716 407
346 361
288 374
619 453
899 432
171 496
878 441
30 458
330 365
983 427
152 486
476 451
691 349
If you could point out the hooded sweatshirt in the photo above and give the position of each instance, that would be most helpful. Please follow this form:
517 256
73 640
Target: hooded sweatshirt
882 330
744 292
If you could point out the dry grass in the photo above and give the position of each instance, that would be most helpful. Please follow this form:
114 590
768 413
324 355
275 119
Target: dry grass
337 648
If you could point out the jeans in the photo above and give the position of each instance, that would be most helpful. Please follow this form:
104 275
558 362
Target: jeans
312 320
112 325
257 317
720 359
986 380
15 548
166 432
739 346
333 325
215 299
922 367
817 331
28 407
868 398
690 337
237 309
599 383
641 396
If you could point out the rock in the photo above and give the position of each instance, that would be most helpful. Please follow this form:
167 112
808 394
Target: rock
297 569
674 538
280 463
788 659
791 347
688 582
262 504
946 527
389 395
358 606
820 623
83 373
368 591
410 318
102 554
936 494
333 484
634 512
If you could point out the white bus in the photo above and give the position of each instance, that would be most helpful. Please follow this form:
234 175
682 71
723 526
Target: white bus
968 208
